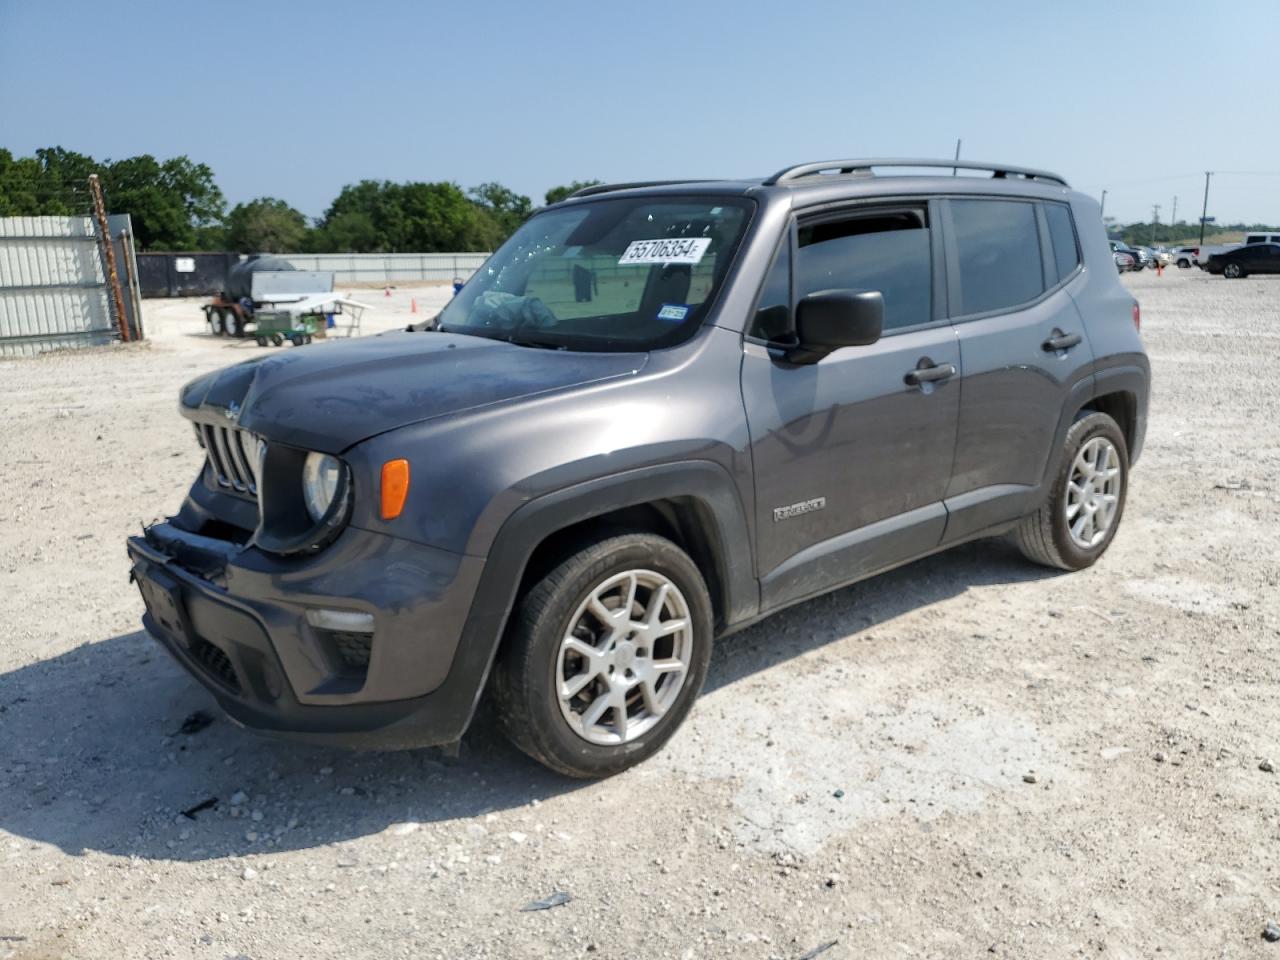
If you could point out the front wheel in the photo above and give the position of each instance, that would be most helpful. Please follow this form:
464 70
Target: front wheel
1232 271
1076 524
604 656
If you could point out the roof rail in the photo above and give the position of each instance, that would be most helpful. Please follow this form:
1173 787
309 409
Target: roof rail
999 171
610 187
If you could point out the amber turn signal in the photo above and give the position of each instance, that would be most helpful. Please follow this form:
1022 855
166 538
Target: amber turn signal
395 487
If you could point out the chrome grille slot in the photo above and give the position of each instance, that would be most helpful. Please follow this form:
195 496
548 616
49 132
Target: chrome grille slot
231 456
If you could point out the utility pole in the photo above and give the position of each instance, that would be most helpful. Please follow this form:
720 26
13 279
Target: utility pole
1103 211
954 169
1155 219
1173 218
1205 211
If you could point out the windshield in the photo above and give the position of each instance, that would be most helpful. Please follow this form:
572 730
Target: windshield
620 274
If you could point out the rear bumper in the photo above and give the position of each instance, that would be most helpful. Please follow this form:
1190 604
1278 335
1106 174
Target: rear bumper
236 619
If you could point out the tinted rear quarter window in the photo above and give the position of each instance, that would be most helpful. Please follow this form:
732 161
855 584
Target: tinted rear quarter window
1062 234
998 248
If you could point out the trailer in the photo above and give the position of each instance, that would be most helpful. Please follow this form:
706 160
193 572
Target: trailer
256 283
298 321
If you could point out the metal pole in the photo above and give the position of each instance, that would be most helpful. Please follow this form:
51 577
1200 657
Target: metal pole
1155 218
1173 217
135 298
100 211
957 160
1103 211
1205 211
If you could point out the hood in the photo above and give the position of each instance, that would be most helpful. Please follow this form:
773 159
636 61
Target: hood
331 396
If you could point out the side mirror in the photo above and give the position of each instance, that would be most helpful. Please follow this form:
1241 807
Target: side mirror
829 319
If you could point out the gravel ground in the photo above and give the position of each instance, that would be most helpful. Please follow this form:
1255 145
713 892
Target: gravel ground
966 756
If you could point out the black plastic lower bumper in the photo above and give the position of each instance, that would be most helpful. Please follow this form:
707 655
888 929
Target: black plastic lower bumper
255 653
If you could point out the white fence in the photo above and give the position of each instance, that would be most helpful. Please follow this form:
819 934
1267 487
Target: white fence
53 289
390 267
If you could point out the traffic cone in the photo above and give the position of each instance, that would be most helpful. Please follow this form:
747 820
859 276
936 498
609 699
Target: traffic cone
413 305
1159 268
387 290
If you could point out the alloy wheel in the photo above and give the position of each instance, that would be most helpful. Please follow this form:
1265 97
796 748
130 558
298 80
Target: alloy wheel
1093 493
625 657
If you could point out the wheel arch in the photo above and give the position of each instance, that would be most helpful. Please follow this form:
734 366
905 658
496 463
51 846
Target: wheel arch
696 503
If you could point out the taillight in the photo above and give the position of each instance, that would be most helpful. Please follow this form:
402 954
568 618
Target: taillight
1137 316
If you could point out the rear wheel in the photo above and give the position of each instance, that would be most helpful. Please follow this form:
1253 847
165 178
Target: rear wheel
277 339
604 656
217 322
1184 263
1233 271
234 323
1076 524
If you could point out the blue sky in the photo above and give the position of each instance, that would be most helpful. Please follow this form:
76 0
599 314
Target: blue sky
295 100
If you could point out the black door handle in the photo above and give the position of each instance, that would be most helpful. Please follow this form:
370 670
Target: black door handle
928 372
1061 341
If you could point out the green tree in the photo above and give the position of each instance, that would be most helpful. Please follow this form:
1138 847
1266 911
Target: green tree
348 232
19 185
169 202
380 216
556 194
507 208
265 225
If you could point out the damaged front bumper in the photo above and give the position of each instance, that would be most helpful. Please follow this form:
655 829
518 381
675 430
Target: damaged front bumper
359 645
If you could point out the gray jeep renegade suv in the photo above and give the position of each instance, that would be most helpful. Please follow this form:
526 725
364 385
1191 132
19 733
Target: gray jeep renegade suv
658 413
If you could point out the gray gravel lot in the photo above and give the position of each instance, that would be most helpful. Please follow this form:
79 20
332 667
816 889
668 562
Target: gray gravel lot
967 754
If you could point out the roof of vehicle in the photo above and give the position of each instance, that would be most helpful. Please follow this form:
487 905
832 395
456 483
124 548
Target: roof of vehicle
823 180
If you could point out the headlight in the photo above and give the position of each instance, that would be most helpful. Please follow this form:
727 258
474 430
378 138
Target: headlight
321 474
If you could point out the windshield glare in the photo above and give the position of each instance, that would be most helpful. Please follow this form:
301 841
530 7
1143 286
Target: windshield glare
620 274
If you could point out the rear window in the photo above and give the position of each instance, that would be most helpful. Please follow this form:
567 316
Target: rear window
1062 234
998 245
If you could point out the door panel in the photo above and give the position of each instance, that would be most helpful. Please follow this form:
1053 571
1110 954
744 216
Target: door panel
848 431
1019 366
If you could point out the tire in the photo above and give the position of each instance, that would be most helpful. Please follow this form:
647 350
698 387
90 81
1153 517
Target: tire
262 341
1184 264
1046 536
217 322
233 324
1233 271
553 621
276 339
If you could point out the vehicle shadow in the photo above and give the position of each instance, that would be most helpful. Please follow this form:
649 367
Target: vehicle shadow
93 757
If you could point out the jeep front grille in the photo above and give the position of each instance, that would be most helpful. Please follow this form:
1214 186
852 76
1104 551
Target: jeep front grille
233 456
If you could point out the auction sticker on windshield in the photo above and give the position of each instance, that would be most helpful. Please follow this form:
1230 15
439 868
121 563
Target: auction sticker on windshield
679 250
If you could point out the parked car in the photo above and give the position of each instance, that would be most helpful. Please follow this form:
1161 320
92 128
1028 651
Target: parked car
1261 238
1186 256
1208 251
559 497
1141 259
1124 261
1242 261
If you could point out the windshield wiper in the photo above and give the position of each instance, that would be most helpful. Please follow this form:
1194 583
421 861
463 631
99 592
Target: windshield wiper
525 341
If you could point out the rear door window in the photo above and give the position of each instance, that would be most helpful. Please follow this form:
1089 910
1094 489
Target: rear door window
998 253
1062 234
884 250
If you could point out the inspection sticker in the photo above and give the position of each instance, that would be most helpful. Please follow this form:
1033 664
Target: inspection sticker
678 250
673 311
